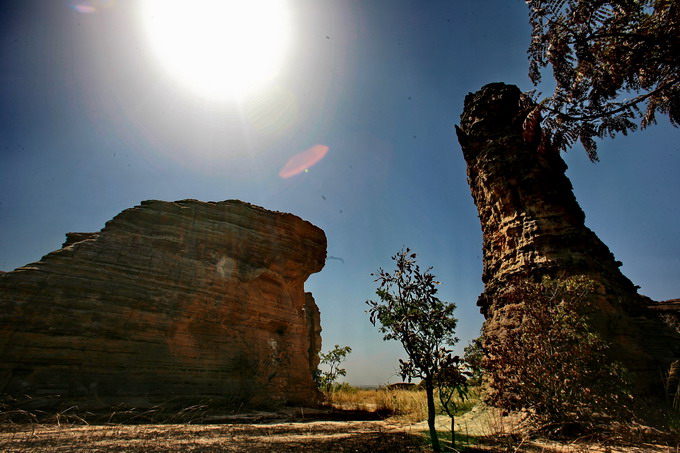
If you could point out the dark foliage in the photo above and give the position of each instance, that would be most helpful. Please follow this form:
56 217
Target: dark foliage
548 360
473 355
409 311
614 62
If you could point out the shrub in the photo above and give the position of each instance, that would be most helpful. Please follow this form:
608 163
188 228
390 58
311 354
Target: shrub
548 360
332 359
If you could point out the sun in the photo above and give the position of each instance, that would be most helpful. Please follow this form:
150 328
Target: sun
219 49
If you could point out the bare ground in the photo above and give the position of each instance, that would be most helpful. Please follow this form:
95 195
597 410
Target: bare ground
484 430
328 436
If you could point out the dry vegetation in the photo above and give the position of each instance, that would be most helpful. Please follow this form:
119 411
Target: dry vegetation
343 426
405 405
270 437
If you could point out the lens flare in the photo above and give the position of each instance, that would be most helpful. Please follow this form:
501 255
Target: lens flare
90 6
302 161
85 9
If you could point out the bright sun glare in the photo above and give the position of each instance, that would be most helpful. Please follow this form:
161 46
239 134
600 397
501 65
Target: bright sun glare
220 49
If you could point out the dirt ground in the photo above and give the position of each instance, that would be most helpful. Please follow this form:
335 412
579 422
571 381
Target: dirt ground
486 429
483 430
334 436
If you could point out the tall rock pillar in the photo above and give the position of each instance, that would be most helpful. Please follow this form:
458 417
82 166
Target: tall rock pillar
532 226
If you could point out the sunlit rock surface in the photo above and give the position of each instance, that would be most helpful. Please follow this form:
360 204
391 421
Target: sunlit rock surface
187 300
533 226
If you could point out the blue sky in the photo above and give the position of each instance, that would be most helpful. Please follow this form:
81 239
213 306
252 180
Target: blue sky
91 124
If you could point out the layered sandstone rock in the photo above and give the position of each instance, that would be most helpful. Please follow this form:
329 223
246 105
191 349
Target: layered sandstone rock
186 300
532 226
669 310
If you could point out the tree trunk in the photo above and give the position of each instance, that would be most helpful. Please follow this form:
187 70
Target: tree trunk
453 433
429 390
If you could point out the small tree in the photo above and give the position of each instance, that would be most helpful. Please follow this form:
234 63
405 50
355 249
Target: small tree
409 311
452 386
332 359
474 355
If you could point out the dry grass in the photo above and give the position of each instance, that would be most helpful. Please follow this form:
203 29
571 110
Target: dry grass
480 429
280 437
408 404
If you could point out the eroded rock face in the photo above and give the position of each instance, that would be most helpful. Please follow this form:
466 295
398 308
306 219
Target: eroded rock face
532 226
186 300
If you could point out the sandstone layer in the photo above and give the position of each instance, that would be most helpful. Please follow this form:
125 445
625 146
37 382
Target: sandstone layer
186 301
533 226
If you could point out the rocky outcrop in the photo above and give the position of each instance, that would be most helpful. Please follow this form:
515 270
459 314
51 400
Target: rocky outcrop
532 226
669 310
186 301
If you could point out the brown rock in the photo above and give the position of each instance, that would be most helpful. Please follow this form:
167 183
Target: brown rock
532 226
185 300
669 310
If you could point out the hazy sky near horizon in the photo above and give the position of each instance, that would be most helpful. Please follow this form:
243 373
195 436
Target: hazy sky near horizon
91 123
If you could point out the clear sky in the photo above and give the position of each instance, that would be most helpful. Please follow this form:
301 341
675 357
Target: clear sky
93 122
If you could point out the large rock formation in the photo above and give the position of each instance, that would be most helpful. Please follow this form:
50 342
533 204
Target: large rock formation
532 226
186 300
